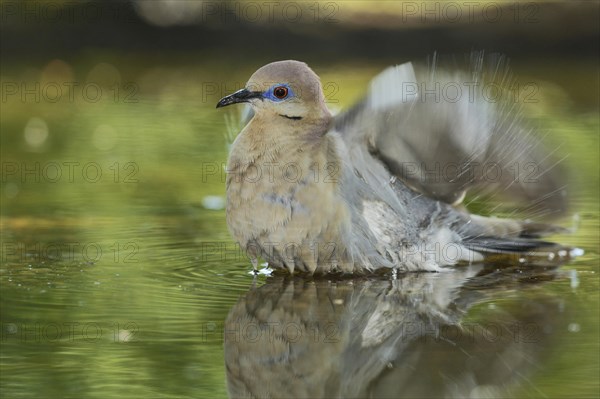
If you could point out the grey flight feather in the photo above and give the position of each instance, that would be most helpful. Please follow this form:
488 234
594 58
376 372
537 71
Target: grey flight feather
445 133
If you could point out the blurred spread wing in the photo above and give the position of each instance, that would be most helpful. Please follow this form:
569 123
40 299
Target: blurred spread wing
444 133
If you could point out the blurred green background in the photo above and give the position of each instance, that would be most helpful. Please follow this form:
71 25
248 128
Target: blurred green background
117 268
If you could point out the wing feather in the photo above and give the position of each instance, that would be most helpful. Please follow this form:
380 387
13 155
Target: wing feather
444 133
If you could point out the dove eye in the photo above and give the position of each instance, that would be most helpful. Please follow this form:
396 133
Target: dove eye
280 92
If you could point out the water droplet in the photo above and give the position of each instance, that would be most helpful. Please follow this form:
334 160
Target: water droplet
576 252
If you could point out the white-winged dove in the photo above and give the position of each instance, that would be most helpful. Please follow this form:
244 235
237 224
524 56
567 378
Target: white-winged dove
380 186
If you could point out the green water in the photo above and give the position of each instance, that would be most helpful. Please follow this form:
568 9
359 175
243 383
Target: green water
117 280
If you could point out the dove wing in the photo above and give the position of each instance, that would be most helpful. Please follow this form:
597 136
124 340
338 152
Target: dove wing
446 133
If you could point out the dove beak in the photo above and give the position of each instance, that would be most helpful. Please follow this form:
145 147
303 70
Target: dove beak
240 96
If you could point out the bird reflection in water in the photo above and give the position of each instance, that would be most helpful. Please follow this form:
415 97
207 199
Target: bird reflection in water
409 336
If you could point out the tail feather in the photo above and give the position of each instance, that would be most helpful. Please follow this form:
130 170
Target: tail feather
507 245
535 230
526 249
491 227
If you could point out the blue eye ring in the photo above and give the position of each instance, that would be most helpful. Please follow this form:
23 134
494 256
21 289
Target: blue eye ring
279 92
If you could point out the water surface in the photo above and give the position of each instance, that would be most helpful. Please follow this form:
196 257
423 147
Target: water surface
119 280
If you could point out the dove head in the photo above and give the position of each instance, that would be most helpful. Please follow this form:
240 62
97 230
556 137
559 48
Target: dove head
283 89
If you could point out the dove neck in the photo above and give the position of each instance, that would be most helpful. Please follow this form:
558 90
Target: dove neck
280 140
